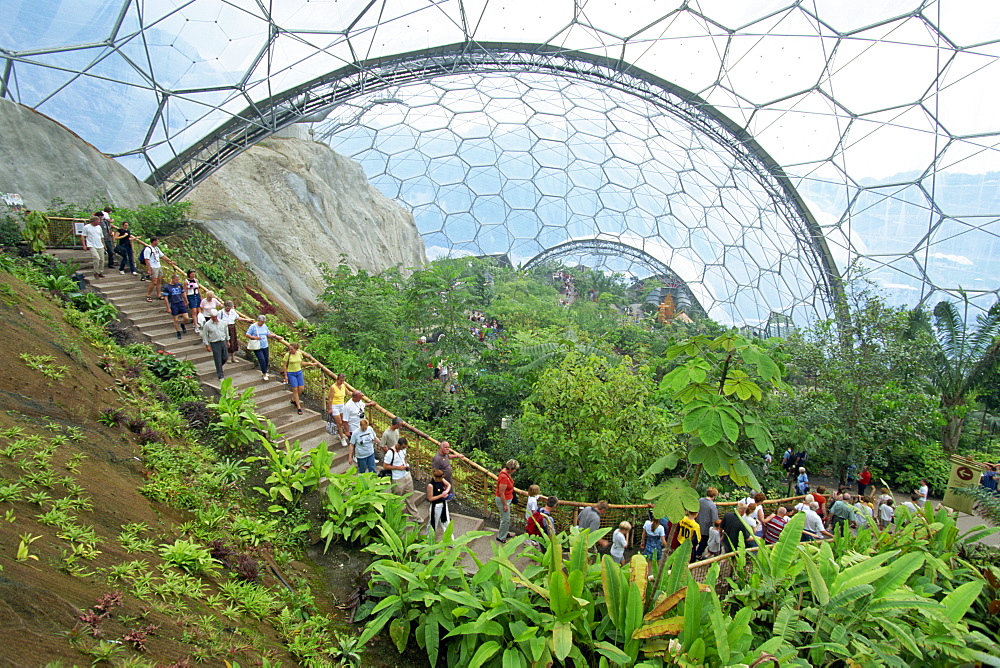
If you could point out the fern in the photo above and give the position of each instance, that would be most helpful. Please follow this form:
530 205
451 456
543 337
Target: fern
987 502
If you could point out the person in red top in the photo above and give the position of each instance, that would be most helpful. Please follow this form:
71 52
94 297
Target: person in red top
864 480
505 493
819 496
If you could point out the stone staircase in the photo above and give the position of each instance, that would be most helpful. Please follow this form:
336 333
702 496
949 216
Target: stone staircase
273 398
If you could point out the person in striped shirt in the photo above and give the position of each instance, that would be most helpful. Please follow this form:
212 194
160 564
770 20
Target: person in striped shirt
773 527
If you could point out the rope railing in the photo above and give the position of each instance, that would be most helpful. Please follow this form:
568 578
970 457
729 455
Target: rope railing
474 485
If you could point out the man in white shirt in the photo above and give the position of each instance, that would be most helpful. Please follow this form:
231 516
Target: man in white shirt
354 412
923 491
92 238
913 505
402 481
150 256
813 529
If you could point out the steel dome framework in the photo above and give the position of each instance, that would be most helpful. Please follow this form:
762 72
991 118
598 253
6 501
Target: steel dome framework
849 130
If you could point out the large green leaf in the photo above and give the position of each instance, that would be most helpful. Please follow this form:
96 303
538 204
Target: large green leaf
817 585
667 461
399 631
512 658
485 652
562 640
674 498
671 626
431 635
958 602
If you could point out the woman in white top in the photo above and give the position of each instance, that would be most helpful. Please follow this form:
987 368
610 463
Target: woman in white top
654 537
193 294
804 504
750 519
210 302
230 316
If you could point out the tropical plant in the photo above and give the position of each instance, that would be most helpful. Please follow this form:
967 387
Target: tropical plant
24 547
875 598
189 556
36 231
357 505
290 476
717 388
238 425
59 285
964 358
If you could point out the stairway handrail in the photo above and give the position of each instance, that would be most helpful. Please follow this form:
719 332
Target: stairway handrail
474 465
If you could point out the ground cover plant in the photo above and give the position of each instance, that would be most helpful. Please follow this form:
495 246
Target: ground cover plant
878 599
85 426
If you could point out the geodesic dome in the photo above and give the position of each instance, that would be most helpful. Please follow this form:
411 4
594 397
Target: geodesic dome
757 149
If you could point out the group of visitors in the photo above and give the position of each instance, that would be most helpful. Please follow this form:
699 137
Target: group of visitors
212 318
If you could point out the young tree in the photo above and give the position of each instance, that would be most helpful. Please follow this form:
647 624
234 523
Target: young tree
592 429
860 385
717 390
964 357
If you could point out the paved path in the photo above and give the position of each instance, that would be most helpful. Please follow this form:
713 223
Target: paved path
128 294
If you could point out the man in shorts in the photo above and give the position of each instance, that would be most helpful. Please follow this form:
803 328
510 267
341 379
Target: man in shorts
173 295
151 255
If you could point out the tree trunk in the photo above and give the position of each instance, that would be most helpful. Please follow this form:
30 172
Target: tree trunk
952 432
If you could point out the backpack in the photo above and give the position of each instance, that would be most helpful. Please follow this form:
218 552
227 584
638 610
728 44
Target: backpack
535 525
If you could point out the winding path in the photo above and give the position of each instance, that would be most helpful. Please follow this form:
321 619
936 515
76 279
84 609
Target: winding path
128 294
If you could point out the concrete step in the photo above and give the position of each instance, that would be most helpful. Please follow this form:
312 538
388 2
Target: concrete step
274 401
304 429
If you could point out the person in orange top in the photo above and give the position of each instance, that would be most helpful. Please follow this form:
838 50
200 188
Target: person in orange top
505 493
819 496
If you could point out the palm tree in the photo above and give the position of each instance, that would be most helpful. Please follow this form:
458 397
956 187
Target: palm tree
963 361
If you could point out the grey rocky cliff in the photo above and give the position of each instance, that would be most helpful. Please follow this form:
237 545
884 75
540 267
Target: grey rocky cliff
288 204
40 160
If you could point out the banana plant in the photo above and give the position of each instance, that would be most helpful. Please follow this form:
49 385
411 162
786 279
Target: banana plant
569 634
430 596
290 476
238 424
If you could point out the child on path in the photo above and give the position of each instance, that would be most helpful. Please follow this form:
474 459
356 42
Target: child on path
886 513
619 542
715 539
531 505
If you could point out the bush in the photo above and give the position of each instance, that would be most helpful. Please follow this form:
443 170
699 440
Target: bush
189 556
920 461
152 220
10 232
167 367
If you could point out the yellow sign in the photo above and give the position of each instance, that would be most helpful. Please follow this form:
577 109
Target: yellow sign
965 472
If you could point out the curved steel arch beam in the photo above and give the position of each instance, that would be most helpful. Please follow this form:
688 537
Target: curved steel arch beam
609 248
181 174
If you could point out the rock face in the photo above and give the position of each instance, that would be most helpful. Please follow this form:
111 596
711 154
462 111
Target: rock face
40 159
288 204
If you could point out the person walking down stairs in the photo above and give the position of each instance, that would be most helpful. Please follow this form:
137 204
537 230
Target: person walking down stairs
214 334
